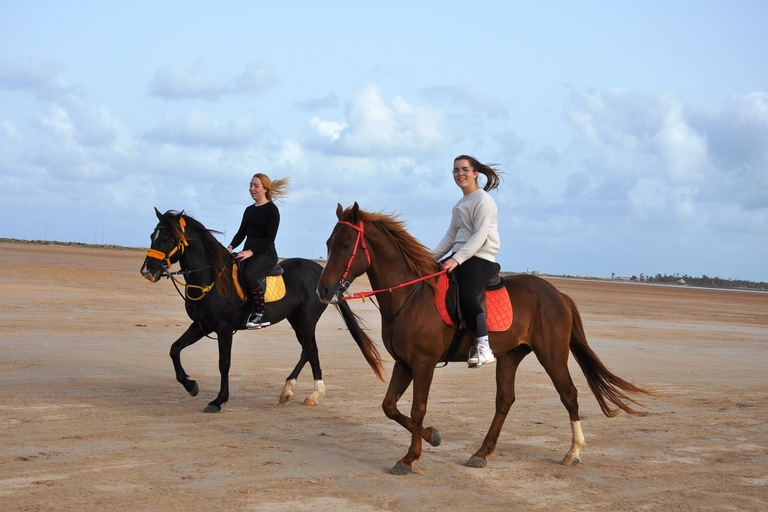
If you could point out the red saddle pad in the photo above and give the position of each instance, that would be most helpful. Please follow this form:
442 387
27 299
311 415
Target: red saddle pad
499 306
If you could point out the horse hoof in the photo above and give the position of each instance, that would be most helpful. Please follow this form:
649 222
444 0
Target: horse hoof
212 408
436 439
309 401
285 399
195 389
574 462
476 462
400 469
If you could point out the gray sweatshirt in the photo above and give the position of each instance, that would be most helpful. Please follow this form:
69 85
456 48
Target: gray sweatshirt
473 230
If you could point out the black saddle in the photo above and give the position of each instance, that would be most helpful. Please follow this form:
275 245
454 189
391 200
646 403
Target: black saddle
452 296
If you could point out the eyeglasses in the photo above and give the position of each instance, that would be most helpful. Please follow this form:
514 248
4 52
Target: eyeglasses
465 170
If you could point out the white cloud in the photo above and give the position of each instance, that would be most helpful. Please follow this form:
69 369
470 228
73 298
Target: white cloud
37 76
191 79
682 151
469 96
198 129
374 128
312 104
713 156
330 130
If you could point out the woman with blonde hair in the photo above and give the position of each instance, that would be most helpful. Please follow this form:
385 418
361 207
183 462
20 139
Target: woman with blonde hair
259 230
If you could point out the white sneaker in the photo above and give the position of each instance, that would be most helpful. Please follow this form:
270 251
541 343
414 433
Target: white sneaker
483 355
254 321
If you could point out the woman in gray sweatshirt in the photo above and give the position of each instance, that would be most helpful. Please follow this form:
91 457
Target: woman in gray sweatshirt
473 242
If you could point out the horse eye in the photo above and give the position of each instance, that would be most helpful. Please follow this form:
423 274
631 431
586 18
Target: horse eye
346 247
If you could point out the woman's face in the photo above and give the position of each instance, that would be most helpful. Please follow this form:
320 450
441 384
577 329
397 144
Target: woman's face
258 192
464 175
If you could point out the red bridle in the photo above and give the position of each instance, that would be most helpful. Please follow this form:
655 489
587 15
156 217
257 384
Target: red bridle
360 238
362 295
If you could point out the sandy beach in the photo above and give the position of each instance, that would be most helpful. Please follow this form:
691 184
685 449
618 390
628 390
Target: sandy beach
92 418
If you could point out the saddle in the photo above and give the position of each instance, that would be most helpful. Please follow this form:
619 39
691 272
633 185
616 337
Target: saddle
499 308
273 284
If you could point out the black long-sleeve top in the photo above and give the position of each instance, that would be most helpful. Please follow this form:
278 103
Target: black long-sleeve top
259 229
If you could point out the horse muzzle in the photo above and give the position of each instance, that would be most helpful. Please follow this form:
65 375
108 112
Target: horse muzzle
153 275
330 294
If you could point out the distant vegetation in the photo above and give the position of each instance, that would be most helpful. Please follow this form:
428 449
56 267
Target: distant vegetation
70 244
684 280
704 281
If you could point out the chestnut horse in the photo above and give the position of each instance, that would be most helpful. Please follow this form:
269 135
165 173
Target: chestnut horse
546 322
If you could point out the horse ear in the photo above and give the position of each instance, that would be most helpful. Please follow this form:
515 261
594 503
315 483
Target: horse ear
339 210
159 215
355 213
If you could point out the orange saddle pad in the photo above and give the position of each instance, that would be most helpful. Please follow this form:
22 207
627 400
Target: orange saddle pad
499 306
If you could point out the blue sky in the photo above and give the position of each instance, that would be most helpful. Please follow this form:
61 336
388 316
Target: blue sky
633 135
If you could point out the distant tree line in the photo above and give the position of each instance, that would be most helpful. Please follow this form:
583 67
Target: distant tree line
704 281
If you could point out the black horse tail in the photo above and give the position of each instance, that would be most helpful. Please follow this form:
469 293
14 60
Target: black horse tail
366 344
606 386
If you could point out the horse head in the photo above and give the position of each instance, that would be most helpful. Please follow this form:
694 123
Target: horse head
344 264
168 242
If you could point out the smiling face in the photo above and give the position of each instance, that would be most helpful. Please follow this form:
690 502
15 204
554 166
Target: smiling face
465 176
258 192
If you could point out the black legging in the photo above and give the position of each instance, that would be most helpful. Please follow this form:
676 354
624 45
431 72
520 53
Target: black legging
472 276
256 269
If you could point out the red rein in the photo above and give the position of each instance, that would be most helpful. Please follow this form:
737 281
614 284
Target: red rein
363 295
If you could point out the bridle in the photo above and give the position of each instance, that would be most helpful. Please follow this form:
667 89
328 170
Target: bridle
362 295
390 319
360 240
166 257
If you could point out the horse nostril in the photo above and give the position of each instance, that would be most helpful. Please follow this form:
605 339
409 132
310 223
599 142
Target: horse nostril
323 293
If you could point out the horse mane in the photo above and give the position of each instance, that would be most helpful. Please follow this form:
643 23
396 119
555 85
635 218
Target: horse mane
417 257
217 255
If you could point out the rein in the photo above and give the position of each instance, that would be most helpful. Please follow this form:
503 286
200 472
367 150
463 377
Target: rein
361 241
363 295
203 289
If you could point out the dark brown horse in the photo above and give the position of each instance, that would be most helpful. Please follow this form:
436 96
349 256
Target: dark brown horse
546 322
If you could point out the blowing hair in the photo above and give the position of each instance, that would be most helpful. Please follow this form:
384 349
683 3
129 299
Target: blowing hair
277 189
491 172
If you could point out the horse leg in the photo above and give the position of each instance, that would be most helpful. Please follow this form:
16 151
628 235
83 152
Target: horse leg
316 393
506 369
401 379
224 336
290 383
287 392
557 369
309 353
190 336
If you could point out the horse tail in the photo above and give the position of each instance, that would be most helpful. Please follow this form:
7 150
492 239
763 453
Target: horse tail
366 344
606 386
